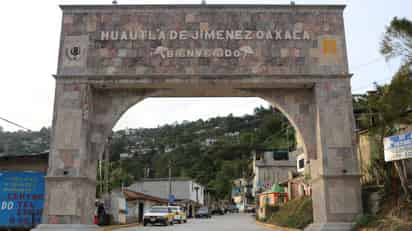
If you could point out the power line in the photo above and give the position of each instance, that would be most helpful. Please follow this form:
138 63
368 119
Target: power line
373 61
15 124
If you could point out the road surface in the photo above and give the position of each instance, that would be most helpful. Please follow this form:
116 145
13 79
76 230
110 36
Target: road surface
228 222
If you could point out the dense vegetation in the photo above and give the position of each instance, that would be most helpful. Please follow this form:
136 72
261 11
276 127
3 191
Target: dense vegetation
384 112
296 213
387 109
213 152
23 142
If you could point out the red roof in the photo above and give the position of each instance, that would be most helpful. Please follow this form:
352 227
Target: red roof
132 195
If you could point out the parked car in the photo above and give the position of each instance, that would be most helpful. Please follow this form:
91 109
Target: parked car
203 212
218 211
158 215
250 209
233 209
179 215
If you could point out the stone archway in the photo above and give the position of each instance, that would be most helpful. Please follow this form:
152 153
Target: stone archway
112 57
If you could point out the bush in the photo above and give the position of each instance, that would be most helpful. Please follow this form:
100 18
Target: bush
363 220
270 210
294 214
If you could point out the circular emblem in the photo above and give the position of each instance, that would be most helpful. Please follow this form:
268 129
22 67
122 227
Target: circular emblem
73 53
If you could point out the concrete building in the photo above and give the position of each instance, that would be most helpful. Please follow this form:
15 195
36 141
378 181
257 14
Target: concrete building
25 162
182 188
186 192
271 167
367 143
298 183
242 193
138 203
274 196
22 175
297 186
115 204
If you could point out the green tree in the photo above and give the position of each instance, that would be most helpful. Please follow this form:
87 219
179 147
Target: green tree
221 185
117 147
389 105
400 96
397 41
215 166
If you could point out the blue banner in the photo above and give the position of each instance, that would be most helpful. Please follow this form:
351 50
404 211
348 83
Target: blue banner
21 198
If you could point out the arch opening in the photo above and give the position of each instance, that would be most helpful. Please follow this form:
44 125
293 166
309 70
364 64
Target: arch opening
269 114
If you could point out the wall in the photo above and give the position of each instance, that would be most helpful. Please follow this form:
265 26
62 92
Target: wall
273 174
268 171
364 155
299 188
200 195
35 163
160 39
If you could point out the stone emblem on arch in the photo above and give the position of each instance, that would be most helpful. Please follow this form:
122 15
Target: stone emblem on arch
73 53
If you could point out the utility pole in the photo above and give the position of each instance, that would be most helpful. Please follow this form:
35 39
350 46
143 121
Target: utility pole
107 163
170 180
197 198
101 180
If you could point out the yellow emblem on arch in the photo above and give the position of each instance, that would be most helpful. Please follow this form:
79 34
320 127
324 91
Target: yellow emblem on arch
329 47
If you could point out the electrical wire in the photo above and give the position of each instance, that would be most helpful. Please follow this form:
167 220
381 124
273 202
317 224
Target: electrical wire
373 61
15 124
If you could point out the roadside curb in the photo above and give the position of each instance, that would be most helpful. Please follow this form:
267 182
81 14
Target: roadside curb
114 227
275 227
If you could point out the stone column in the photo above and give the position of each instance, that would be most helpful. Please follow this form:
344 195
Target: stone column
71 177
335 174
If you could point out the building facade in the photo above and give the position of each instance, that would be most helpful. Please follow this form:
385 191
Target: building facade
138 203
271 167
242 193
183 189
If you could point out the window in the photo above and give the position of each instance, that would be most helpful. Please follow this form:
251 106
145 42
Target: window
280 155
301 163
259 155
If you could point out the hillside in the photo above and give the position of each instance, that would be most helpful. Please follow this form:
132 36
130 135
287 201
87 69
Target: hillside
23 142
213 151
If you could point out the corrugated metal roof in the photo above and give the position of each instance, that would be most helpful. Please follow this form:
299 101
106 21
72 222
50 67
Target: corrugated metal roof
8 155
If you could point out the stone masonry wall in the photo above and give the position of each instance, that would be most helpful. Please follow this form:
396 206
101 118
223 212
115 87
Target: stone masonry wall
141 40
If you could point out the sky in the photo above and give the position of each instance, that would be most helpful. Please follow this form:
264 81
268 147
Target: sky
29 41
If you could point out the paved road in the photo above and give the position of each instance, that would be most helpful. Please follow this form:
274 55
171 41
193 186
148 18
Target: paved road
228 222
